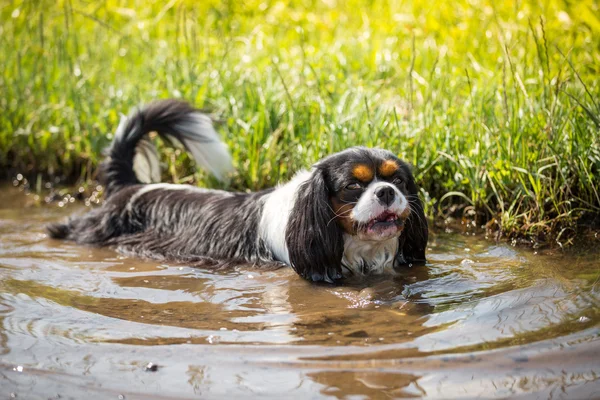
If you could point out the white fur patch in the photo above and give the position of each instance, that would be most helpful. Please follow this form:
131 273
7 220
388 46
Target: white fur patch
276 214
201 139
369 207
120 132
374 256
146 164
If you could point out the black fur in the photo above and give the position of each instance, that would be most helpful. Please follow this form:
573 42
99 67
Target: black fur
314 240
413 241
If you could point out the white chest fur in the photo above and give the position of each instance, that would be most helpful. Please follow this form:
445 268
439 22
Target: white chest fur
368 257
276 213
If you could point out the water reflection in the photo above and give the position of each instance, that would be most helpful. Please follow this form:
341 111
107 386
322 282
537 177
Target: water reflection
481 319
341 384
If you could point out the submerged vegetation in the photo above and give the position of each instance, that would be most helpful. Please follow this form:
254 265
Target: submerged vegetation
496 104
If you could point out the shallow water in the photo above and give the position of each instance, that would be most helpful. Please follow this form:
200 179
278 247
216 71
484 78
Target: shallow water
481 319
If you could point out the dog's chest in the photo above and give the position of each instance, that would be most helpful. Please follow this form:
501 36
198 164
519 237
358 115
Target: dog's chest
368 257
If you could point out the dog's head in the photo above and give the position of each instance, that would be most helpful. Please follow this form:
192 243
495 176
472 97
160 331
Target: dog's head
366 193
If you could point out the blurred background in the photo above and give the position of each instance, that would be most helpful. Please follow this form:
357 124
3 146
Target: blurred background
495 104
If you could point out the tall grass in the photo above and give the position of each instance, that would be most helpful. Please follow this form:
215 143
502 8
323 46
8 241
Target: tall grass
496 104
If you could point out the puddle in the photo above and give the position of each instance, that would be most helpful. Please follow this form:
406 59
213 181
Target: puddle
481 319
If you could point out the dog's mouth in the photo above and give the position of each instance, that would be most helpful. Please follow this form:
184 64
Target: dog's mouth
385 224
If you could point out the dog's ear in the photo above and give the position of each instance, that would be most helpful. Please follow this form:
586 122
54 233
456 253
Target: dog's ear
413 241
314 240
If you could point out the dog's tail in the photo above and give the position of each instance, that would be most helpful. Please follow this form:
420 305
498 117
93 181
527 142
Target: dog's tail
132 158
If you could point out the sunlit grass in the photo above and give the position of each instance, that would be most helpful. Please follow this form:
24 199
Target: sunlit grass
495 104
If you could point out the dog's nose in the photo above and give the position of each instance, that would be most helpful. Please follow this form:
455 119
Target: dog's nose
385 195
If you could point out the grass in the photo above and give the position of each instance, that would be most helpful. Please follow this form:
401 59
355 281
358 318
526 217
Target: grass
496 104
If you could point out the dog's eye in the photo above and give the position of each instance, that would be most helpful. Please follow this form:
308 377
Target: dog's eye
397 181
354 186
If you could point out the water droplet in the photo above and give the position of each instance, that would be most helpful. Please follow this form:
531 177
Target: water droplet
212 339
583 319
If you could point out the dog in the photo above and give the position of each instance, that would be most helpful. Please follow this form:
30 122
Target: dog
356 212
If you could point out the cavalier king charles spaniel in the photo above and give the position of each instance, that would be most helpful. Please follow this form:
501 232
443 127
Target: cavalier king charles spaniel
356 212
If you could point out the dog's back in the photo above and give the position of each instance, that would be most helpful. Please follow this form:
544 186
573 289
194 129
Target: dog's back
131 171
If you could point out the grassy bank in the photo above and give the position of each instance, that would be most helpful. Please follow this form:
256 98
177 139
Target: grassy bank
496 105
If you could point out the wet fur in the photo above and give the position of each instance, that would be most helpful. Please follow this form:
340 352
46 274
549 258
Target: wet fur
184 224
212 227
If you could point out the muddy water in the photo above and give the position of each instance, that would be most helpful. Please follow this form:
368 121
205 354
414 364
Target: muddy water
482 319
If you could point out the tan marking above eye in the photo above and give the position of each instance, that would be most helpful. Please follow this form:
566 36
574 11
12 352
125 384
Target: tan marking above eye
388 168
363 172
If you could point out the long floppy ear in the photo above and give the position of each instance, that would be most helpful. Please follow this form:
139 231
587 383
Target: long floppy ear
413 240
314 240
